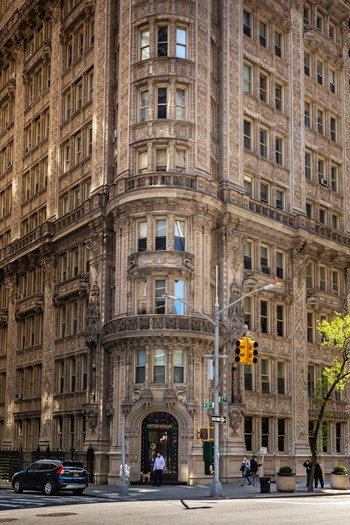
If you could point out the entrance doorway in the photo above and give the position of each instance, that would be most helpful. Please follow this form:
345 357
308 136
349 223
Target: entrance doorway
160 434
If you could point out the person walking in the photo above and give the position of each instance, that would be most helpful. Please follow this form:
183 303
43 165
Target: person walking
318 476
158 466
307 466
245 469
254 469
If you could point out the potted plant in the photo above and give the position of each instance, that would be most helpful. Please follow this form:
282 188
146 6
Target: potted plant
340 477
286 480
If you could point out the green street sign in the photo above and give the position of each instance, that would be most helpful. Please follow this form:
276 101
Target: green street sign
222 399
208 405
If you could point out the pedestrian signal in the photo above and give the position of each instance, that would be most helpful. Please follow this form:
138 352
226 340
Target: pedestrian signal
205 433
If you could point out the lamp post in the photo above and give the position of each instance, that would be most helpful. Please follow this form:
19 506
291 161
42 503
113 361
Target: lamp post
215 486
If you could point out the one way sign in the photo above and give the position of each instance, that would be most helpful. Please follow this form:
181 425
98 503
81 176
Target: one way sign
218 419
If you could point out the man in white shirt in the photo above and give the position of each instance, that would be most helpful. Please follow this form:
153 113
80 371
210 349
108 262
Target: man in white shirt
158 466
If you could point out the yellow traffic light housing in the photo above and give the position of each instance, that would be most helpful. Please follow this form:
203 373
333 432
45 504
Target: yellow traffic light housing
242 350
205 433
252 352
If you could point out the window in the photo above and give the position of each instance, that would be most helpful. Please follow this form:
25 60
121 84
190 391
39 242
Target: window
333 129
319 72
279 96
280 265
335 221
264 192
306 15
162 41
142 161
265 376
279 150
91 33
310 327
322 216
66 156
281 438
67 105
280 320
141 294
144 103
78 94
179 368
77 149
320 121
279 199
161 159
179 291
90 85
264 319
247 134
307 61
332 81
319 22
262 33
307 165
278 44
248 312
310 275
160 241
142 236
338 438
308 209
73 374
320 170
310 380
248 378
322 278
75 262
263 87
263 142
247 78
248 430
248 185
140 366
162 102
247 255
144 44
181 42
180 160
335 281
281 377
159 299
331 31
307 114
159 366
180 112
179 236
325 436
334 177
246 23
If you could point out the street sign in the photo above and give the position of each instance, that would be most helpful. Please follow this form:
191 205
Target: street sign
263 451
218 419
222 399
208 405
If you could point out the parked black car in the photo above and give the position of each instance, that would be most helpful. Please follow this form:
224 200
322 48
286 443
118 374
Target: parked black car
50 476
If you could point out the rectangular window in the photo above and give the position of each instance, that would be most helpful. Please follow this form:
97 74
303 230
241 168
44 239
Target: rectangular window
159 299
265 376
179 366
333 129
307 64
246 23
335 282
247 78
180 160
279 150
331 31
142 161
281 429
334 177
140 366
310 380
248 432
248 312
161 159
306 15
247 134
141 295
179 236
181 42
247 255
162 102
262 33
264 259
279 199
159 366
307 165
307 114
325 436
280 265
264 317
248 186
322 278
264 192
281 377
248 378
319 68
144 44
320 170
160 241
319 22
322 216
338 438
320 121
263 142
142 236
278 44
179 291
263 87
279 96
162 41
310 327
180 112
310 275
280 320
144 104
335 221
332 81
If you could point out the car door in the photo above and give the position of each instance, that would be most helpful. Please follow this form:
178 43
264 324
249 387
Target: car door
30 478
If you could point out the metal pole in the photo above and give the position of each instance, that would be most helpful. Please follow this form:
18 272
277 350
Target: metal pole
216 487
123 489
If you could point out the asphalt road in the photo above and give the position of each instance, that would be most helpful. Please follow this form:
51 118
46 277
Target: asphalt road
289 511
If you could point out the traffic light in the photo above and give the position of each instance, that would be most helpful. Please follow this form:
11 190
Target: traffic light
252 352
205 433
242 350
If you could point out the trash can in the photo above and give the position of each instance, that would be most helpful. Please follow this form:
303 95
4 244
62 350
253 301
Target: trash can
265 484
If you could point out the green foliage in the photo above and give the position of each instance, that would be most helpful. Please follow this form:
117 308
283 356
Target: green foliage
285 471
340 470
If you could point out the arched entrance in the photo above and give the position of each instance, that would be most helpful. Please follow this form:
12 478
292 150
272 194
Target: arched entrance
160 434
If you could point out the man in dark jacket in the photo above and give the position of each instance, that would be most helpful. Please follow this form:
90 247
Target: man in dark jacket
318 476
254 469
307 465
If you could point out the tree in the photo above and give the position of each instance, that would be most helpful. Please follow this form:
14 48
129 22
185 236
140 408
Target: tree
335 337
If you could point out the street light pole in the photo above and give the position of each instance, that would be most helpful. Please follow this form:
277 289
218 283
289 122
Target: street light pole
216 486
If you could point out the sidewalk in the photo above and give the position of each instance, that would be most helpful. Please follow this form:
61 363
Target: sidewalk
147 492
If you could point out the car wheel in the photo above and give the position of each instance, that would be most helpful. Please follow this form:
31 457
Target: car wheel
17 486
48 488
78 492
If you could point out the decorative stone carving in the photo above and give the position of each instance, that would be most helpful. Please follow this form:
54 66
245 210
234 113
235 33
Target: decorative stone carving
91 412
235 418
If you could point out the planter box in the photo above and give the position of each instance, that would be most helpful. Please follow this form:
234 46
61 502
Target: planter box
285 483
339 481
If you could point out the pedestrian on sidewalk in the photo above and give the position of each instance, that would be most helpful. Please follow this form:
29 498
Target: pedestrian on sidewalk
307 466
158 466
245 469
254 469
318 476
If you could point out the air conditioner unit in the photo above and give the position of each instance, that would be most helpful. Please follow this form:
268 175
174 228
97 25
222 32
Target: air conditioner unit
18 397
323 181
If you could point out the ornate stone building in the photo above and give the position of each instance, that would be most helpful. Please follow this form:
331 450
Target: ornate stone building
142 144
